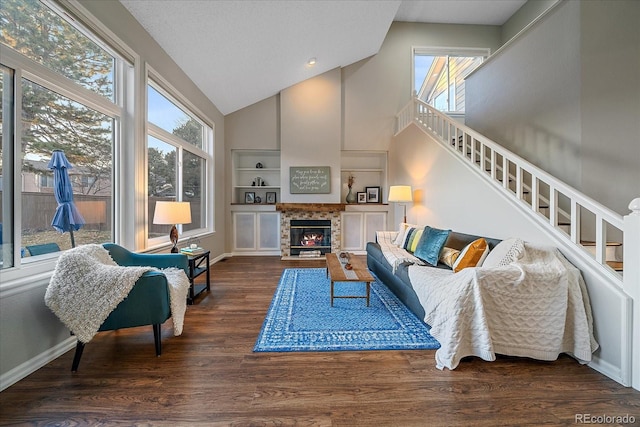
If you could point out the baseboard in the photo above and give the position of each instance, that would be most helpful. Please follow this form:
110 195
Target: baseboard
30 366
609 370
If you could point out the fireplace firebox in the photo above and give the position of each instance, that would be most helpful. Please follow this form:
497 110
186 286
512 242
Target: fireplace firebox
311 236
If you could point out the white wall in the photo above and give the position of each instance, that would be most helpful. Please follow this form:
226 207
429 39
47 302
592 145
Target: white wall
310 129
449 195
566 96
524 16
527 98
610 101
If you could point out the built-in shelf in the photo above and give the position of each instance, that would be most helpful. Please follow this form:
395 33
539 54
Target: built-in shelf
246 173
369 169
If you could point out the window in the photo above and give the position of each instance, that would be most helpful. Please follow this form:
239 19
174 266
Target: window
178 155
48 65
439 75
66 89
86 136
6 168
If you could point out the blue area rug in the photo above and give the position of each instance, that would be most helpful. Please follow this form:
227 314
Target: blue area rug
301 318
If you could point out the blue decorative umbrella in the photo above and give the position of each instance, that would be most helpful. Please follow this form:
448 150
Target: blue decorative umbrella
67 216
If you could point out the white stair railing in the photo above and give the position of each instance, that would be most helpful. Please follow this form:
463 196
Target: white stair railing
529 185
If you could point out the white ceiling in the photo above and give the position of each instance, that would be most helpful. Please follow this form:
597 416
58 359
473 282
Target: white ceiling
240 52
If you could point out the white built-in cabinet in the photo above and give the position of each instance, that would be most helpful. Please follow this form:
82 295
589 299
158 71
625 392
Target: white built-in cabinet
359 226
256 232
256 226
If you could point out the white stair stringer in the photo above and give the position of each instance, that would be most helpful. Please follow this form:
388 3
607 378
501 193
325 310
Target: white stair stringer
611 305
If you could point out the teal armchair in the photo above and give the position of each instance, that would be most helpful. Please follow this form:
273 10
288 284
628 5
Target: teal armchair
148 301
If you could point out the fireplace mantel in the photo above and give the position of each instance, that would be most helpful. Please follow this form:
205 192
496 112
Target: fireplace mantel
310 207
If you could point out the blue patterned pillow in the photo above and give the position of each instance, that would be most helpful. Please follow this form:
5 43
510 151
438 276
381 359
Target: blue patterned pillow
431 243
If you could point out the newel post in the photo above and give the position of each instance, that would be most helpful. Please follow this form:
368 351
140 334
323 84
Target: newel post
631 282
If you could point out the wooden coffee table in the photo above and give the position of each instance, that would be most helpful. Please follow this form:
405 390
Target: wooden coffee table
337 273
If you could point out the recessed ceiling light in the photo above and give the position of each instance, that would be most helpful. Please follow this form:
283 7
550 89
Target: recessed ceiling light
311 62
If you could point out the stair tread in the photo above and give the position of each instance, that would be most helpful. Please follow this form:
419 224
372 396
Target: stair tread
616 265
590 243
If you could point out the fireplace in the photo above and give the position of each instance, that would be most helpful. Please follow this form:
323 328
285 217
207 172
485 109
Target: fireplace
314 219
310 237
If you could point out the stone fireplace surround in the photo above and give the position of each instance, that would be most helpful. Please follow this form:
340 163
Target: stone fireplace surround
325 211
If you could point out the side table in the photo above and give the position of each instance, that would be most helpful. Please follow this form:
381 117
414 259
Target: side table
198 264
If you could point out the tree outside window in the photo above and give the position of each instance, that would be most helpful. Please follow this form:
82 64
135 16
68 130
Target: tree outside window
48 121
176 160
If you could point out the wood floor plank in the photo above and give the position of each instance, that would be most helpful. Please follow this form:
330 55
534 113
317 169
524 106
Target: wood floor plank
210 376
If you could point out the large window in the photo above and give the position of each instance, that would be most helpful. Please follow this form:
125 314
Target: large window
439 75
64 88
59 81
178 154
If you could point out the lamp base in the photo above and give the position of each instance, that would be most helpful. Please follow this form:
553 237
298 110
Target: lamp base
173 236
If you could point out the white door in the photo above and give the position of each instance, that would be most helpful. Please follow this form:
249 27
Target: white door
244 231
269 231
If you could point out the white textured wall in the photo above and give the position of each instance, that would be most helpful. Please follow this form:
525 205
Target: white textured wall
566 96
610 101
528 97
526 14
310 132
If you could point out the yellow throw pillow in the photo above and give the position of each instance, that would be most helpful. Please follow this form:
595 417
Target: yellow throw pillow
448 256
472 255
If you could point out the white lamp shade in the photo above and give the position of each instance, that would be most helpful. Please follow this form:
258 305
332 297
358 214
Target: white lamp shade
400 193
172 213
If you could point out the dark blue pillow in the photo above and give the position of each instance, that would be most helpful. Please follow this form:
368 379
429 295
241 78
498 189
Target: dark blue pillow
431 243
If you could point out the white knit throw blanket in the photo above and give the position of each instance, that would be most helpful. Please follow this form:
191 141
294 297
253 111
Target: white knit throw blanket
535 307
87 285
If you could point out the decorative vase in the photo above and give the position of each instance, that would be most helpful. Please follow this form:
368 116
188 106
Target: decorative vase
351 198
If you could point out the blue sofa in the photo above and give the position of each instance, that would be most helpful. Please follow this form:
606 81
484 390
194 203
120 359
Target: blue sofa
399 282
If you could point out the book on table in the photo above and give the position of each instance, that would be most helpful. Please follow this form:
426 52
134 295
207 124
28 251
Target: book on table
192 251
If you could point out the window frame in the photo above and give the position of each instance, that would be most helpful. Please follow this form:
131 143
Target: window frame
205 152
25 68
445 51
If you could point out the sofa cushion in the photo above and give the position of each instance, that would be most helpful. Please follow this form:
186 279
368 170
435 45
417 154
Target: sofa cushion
402 233
504 253
409 237
415 239
430 244
448 256
472 255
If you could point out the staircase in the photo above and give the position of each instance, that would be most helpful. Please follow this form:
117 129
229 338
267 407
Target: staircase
602 241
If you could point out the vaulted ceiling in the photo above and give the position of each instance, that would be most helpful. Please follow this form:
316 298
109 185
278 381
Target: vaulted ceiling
240 52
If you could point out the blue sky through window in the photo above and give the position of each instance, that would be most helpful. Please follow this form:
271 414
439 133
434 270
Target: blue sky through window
422 63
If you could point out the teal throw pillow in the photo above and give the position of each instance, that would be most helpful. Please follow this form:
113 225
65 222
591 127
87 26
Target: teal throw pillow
431 243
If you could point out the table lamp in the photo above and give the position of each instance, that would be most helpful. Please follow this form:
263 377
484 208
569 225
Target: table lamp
401 193
172 213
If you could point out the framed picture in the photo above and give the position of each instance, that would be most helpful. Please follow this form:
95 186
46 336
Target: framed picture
249 197
271 197
362 197
372 194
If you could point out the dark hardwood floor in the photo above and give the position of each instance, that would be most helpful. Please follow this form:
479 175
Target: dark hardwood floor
210 376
